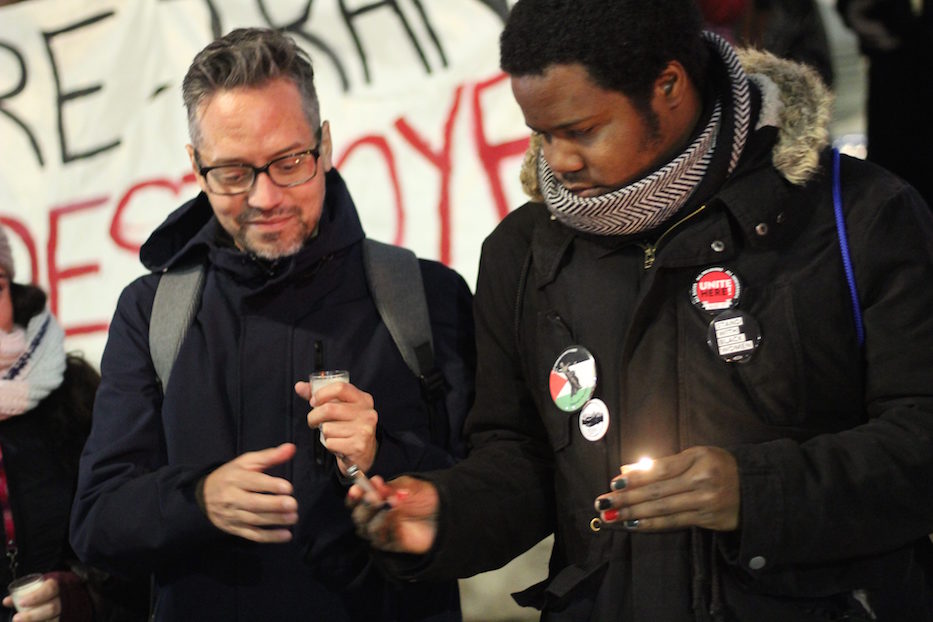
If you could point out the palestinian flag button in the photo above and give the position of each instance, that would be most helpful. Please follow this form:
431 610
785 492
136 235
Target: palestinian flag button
573 378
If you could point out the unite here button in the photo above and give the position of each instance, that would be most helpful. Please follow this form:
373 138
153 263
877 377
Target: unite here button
715 289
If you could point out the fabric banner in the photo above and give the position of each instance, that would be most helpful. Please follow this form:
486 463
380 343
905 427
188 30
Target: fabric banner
92 129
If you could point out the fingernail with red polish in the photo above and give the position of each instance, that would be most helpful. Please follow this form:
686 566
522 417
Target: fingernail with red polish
610 515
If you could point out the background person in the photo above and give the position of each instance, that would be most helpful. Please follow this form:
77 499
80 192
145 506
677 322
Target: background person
46 398
792 463
791 29
219 487
896 36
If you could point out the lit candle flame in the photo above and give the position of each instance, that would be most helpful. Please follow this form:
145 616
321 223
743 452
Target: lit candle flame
644 464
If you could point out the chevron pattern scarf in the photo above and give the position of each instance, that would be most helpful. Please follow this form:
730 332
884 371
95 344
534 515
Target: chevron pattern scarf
648 202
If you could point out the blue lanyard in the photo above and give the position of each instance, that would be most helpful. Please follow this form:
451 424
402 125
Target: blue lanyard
844 249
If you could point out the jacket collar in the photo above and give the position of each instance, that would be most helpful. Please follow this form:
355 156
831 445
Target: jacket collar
768 195
192 233
756 208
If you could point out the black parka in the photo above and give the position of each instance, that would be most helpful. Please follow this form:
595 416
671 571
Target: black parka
834 442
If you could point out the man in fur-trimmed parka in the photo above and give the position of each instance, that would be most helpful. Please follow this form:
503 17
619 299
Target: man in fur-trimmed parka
747 432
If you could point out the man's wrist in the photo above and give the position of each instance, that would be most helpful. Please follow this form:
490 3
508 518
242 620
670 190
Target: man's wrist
199 495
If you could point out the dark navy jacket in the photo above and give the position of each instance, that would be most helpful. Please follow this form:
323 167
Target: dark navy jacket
257 332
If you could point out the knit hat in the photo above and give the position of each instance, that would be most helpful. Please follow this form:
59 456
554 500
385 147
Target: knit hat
6 254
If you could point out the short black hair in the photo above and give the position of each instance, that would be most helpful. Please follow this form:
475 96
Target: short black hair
623 44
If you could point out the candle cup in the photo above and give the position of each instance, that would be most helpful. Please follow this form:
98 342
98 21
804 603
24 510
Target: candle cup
22 586
320 379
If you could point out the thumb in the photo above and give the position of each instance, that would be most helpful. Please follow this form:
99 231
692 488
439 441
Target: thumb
265 458
303 389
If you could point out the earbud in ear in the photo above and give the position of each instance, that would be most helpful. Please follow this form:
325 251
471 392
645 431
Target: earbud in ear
668 87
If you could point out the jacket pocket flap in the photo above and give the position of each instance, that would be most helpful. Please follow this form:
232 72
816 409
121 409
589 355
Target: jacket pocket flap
555 589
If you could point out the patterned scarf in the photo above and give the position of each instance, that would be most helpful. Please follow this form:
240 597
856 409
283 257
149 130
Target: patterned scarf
648 202
32 364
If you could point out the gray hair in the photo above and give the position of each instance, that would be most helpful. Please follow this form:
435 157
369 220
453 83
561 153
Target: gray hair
248 57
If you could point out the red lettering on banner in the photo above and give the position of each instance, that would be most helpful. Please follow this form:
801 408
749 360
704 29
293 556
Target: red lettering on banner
492 155
442 161
116 228
382 146
57 275
17 227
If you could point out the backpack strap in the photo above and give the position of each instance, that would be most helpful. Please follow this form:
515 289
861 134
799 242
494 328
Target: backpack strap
394 277
176 301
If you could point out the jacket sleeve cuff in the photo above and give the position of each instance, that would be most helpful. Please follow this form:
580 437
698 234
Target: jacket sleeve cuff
75 600
754 546
406 452
409 567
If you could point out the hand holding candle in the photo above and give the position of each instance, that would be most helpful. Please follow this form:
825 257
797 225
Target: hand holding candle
323 378
699 487
36 596
344 416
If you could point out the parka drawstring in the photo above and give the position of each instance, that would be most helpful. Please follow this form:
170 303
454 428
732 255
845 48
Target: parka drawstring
716 609
707 591
700 579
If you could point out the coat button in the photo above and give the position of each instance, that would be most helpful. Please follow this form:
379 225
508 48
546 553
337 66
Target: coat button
761 229
757 563
718 246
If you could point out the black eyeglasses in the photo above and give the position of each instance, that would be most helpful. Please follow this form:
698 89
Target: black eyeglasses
286 171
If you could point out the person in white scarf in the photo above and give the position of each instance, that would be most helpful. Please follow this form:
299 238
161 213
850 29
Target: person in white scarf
32 357
45 402
32 362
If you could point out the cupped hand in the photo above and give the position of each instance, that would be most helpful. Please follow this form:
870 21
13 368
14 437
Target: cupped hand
698 487
242 500
402 520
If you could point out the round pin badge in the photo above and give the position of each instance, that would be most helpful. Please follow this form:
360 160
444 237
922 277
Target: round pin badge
594 420
573 378
733 336
715 289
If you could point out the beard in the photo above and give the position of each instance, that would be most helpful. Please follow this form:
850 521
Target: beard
276 244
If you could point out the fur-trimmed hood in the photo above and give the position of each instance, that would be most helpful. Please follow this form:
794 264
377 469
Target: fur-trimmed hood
793 98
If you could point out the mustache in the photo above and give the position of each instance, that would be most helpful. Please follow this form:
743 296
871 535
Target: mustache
572 179
251 214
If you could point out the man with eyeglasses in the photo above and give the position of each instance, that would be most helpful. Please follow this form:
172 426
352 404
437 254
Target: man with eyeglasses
220 485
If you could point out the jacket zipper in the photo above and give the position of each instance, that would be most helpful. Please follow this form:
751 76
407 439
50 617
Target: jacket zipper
651 249
318 451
